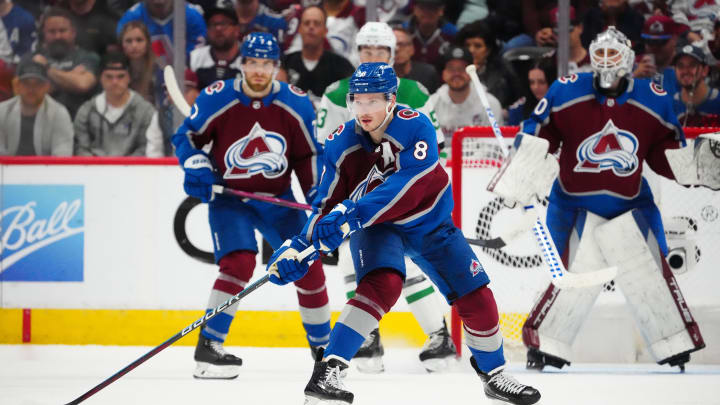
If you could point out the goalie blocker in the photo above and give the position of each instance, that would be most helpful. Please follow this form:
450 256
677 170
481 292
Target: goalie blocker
660 311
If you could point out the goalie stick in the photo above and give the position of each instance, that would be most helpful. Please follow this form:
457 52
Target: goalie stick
561 278
181 104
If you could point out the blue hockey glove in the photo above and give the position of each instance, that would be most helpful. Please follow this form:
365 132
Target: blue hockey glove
334 227
283 266
199 177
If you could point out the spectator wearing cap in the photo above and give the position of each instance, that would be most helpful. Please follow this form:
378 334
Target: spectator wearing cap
17 26
540 76
220 59
315 67
157 15
71 69
696 104
408 68
660 35
95 25
456 102
118 121
612 12
493 71
430 31
33 123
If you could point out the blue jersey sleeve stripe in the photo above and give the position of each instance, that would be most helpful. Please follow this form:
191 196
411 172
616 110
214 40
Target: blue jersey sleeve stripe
396 181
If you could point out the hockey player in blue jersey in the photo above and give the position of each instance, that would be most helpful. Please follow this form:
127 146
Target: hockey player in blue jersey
261 130
601 211
384 186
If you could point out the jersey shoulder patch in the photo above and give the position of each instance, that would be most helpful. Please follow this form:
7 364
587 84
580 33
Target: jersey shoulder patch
407 114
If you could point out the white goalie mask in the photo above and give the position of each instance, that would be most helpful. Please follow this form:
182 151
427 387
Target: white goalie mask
611 56
375 33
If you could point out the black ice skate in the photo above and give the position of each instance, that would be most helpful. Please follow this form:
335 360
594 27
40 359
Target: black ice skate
537 360
438 350
368 358
213 362
504 388
325 385
317 352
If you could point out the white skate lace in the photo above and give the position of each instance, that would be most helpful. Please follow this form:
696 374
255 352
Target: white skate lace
506 383
218 348
333 377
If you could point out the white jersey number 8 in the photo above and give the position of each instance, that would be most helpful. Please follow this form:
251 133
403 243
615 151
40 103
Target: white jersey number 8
420 150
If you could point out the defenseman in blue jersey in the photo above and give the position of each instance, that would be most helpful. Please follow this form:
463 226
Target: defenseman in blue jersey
601 211
383 184
261 131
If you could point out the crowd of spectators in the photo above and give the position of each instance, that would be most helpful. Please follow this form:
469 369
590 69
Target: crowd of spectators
84 77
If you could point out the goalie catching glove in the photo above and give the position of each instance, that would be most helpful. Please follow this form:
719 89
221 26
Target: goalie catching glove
283 265
199 176
698 163
526 173
332 229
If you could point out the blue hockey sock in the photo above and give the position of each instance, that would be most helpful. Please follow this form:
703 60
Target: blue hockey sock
317 334
488 361
218 327
344 342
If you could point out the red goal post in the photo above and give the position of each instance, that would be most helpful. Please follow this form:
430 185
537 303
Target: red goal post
477 148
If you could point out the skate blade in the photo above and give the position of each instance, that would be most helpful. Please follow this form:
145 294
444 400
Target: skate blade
369 365
437 365
310 400
207 371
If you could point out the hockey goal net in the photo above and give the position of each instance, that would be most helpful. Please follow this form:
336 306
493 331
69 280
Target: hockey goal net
517 271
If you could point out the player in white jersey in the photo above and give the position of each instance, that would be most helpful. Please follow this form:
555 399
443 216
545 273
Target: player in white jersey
376 43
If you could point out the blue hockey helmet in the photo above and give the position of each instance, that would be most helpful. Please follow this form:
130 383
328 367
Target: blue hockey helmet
373 77
260 45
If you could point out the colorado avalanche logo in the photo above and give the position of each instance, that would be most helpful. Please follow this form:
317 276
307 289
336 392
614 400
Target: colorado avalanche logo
476 267
373 179
260 151
610 149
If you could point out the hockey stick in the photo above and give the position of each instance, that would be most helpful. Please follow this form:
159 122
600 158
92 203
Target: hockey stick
174 92
561 278
177 98
218 189
197 324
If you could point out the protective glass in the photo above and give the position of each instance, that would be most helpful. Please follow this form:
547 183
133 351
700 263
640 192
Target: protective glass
374 53
253 65
374 104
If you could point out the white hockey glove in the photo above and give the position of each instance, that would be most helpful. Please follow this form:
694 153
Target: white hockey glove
528 172
698 163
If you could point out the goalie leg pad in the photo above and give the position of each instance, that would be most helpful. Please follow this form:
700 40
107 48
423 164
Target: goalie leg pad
652 292
555 320
527 172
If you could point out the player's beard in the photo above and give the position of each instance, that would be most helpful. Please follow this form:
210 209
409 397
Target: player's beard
256 86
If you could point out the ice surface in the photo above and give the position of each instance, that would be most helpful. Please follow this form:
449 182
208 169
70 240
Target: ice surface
55 374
